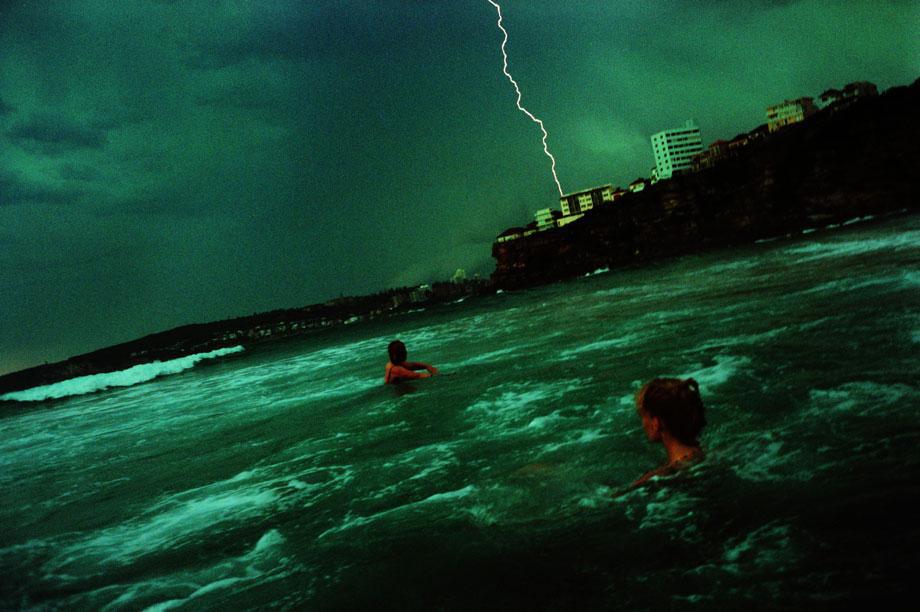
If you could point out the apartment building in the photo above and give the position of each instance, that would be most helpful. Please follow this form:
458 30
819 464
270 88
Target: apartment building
674 149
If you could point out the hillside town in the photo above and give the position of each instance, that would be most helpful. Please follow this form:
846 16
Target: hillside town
680 150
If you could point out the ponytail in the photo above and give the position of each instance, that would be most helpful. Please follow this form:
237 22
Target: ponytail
677 404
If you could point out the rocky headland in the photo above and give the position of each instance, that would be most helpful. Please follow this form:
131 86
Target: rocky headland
863 159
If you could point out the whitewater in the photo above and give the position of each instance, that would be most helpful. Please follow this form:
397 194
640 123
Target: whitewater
286 475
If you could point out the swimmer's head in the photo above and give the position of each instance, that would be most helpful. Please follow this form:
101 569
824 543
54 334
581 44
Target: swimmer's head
674 406
397 351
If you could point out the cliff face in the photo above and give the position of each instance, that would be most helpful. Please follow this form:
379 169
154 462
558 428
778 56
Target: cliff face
861 160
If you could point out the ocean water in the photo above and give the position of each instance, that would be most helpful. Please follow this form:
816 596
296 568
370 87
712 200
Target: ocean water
287 476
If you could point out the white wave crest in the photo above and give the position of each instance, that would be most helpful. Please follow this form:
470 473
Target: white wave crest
122 378
351 521
263 564
724 368
906 241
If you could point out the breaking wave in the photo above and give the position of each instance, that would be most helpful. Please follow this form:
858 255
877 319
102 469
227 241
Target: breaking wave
122 378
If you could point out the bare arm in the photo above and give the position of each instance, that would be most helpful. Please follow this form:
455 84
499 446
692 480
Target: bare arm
403 372
418 365
664 470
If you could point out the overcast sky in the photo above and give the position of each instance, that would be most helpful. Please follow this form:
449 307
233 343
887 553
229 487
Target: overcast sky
164 163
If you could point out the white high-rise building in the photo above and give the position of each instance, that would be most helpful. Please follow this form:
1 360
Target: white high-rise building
674 149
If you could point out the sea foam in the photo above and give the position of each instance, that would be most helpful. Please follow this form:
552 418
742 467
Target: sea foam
264 563
122 378
172 523
848 248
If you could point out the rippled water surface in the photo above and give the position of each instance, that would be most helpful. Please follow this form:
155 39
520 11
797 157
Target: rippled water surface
288 476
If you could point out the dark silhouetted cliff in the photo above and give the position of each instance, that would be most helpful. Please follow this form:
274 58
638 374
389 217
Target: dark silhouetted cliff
856 161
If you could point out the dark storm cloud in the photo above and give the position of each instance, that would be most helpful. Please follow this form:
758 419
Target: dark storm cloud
15 189
56 133
166 208
282 30
224 158
752 3
79 172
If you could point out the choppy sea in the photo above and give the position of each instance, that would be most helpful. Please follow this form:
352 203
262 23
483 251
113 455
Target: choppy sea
287 476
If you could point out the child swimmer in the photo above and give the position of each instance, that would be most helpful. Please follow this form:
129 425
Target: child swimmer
398 369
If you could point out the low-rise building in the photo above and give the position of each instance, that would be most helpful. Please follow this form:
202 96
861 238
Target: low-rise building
789 112
829 97
566 219
398 300
580 201
512 233
758 133
858 89
546 219
711 156
420 294
638 185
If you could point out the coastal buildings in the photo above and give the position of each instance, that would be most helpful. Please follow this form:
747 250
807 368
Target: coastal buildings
851 91
709 157
674 149
637 185
724 149
680 150
546 219
420 294
789 111
580 201
512 233
565 220
574 206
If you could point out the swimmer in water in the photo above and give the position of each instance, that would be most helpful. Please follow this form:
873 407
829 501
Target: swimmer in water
672 413
398 369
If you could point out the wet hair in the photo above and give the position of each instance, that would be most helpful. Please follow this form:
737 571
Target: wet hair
397 351
677 404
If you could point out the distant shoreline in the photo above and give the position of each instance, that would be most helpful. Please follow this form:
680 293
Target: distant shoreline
118 358
246 331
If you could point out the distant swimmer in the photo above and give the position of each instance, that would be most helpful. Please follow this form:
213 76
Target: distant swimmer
398 369
672 413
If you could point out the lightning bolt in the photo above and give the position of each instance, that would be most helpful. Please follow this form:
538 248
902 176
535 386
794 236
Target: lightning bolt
518 90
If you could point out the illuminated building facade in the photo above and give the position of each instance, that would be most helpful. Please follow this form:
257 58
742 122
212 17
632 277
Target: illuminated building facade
674 149
790 111
581 201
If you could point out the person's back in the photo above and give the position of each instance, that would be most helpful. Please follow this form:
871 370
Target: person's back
399 369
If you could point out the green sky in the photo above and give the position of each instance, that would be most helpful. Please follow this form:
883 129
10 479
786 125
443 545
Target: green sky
167 162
